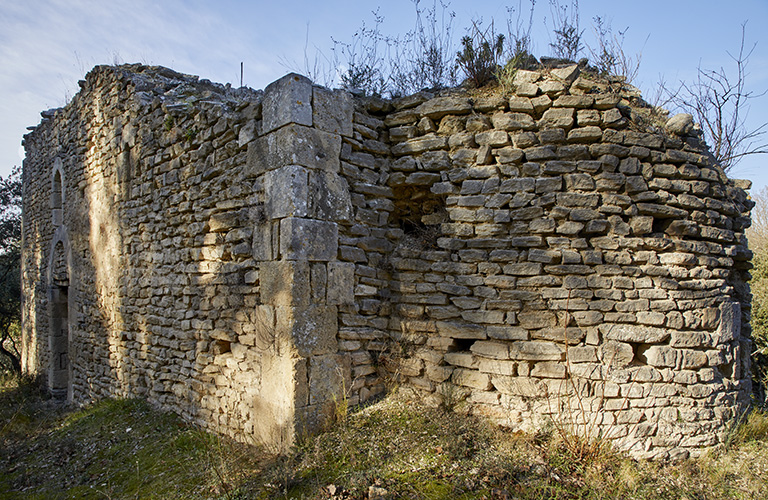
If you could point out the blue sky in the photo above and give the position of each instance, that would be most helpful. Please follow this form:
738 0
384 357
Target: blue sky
46 46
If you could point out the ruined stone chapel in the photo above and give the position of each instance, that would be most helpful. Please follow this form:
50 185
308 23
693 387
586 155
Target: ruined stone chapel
250 259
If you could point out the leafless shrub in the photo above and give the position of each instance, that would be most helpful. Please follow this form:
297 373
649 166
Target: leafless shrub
609 56
362 62
520 45
319 68
757 233
423 58
719 102
565 20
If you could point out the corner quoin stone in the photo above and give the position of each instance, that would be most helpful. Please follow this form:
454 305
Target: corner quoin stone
294 145
308 239
287 100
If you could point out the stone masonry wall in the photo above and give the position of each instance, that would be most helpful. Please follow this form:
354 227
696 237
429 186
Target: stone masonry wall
174 272
488 230
253 259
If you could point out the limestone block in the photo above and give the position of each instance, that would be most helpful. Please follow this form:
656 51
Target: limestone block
294 145
507 332
329 378
660 355
429 142
612 117
573 101
318 282
680 124
471 378
458 330
248 132
521 104
588 318
527 89
523 269
730 323
341 282
616 354
262 242
585 134
583 354
537 319
557 118
287 100
493 138
284 283
441 106
661 211
308 239
329 197
552 88
484 317
548 369
311 329
286 190
498 367
634 333
519 386
438 374
410 367
513 121
689 339
490 349
223 221
332 111
651 318
569 73
536 351
463 359
691 359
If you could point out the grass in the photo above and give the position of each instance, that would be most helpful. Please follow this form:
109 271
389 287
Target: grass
125 449
112 449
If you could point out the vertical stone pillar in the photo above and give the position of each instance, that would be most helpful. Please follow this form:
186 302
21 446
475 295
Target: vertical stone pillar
297 158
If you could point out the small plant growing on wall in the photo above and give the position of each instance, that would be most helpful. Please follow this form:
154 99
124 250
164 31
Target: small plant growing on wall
480 54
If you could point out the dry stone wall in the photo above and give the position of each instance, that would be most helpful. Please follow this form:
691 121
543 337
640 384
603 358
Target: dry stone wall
175 276
253 259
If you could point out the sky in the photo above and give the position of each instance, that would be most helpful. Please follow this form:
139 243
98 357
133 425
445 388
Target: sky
46 46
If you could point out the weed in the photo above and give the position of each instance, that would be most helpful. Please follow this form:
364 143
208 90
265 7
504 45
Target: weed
480 54
505 75
565 20
423 58
752 426
362 58
377 64
190 134
519 36
168 123
340 401
609 57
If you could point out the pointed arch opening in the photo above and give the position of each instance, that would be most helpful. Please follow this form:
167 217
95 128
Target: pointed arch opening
57 193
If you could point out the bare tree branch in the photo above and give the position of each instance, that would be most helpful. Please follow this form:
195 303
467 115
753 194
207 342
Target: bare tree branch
719 102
